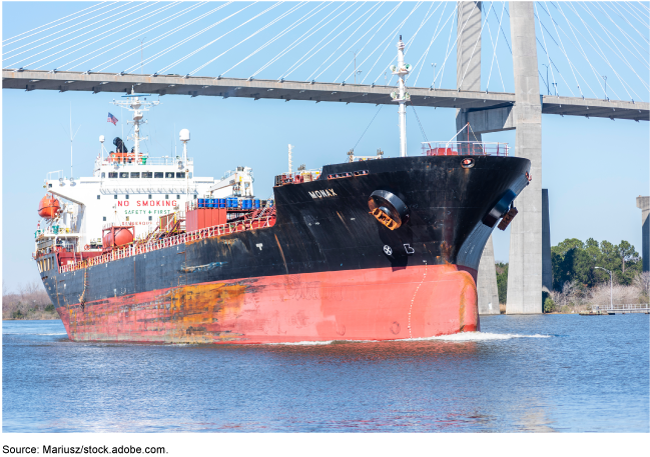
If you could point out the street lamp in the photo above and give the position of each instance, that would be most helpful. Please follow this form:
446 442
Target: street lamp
611 282
605 78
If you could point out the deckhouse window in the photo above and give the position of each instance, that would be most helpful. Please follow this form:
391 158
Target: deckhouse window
180 174
98 197
135 174
104 218
115 196
103 174
166 197
147 174
158 174
126 196
169 174
124 174
149 196
112 174
178 197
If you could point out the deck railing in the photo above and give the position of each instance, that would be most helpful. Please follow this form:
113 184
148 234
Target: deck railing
209 232
455 148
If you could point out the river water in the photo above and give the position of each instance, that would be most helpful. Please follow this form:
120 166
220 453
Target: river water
549 373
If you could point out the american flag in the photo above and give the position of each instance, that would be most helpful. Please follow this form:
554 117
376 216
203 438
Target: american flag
112 119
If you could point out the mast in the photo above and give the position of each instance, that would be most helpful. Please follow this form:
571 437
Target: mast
133 103
401 70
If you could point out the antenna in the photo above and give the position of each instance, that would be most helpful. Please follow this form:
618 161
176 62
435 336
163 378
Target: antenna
71 140
290 152
141 40
401 70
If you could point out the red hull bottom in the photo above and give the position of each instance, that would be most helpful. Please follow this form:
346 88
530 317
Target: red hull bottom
375 304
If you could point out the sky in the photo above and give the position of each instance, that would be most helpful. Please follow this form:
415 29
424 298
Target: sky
594 168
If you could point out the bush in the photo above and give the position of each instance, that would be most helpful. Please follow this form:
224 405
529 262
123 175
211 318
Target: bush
49 308
549 305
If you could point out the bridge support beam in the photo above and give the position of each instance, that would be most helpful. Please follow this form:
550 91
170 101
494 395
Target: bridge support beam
643 203
525 266
468 78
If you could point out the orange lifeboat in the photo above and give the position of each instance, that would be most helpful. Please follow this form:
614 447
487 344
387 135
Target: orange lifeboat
49 207
122 236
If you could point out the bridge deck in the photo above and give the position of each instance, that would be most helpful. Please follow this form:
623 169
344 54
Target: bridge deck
318 92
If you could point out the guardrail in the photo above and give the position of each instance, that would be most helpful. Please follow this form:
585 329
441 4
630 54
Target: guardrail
624 307
455 148
209 232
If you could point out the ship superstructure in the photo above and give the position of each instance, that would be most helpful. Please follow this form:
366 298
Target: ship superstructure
131 188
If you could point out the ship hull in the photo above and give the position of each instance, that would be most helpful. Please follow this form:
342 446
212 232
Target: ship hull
326 270
373 304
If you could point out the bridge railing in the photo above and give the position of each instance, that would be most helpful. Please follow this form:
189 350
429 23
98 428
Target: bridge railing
455 148
623 307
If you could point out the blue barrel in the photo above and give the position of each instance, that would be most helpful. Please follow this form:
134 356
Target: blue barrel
235 202
201 202
228 202
270 202
256 203
222 203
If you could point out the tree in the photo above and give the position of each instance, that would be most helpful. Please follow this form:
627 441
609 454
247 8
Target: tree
573 260
502 281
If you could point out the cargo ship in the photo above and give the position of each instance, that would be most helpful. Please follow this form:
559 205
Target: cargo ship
373 248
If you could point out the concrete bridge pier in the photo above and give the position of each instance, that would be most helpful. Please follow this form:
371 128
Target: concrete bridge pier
525 266
643 203
468 77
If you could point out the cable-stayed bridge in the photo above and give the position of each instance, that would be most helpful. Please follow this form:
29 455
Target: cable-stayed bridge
501 65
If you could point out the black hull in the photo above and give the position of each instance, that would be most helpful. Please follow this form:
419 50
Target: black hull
326 231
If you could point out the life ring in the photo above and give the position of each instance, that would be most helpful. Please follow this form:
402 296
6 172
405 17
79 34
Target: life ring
86 247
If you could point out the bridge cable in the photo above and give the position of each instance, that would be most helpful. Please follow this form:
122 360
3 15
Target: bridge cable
455 41
478 38
408 44
160 37
564 52
495 45
624 17
342 43
441 72
433 37
300 39
620 55
4 42
629 39
288 29
118 29
274 21
603 55
391 35
78 36
349 47
584 54
389 14
69 33
298 63
545 47
191 37
412 40
113 45
170 66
